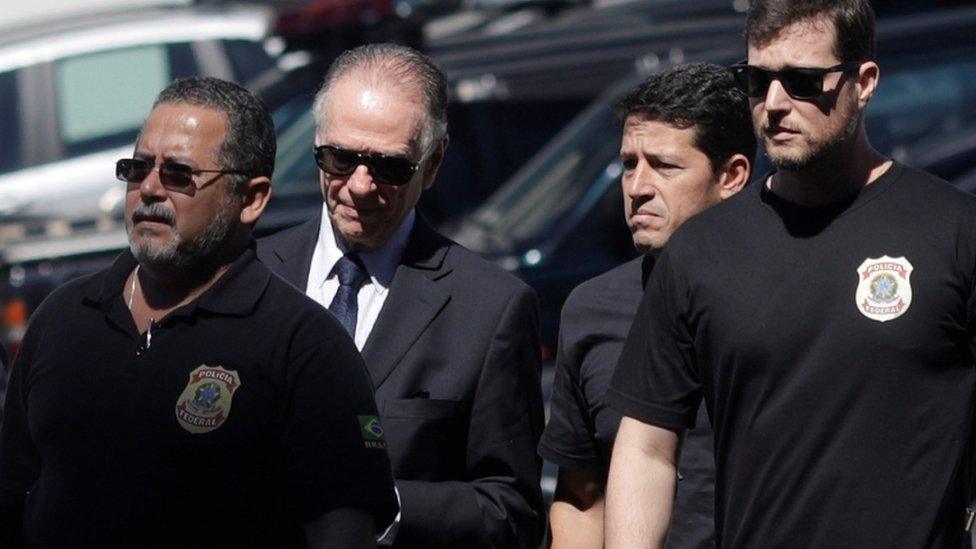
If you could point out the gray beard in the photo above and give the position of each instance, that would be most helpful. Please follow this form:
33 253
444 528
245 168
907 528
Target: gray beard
181 256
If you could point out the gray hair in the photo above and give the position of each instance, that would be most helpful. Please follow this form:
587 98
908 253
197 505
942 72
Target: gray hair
393 65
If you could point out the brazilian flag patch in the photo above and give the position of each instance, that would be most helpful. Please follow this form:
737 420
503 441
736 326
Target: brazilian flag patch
372 432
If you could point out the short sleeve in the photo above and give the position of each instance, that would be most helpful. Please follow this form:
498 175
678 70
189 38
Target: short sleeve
333 444
967 252
656 379
19 459
568 440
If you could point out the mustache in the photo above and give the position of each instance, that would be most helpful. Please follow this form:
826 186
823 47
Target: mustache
637 206
152 212
776 122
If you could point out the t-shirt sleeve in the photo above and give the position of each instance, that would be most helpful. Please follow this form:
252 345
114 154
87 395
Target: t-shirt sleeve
656 380
19 458
967 254
568 440
334 449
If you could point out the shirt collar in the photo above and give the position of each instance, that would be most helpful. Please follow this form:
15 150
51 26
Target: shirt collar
381 263
237 291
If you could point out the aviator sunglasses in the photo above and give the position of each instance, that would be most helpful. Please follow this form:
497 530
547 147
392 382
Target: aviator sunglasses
799 82
172 175
392 170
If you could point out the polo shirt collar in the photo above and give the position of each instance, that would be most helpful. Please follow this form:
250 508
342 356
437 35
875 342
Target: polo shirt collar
236 292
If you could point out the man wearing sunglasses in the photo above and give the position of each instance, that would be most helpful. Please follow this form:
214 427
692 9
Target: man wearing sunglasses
450 340
687 145
826 317
185 396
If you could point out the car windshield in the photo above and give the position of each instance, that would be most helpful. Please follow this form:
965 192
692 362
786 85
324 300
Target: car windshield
919 98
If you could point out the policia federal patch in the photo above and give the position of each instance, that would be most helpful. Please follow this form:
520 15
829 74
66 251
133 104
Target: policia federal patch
205 403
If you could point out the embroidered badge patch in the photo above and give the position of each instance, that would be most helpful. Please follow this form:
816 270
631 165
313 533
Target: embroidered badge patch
205 403
884 289
372 432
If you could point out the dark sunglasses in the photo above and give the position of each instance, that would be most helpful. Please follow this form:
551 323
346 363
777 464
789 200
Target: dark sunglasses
173 175
799 82
392 170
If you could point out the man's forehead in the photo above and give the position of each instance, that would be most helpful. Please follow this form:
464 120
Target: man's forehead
811 37
186 117
639 124
366 88
181 127
374 111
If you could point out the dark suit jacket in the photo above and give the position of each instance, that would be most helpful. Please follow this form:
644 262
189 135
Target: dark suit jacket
454 359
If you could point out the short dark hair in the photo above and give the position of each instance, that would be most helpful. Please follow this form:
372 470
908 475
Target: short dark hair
853 22
699 95
249 145
398 66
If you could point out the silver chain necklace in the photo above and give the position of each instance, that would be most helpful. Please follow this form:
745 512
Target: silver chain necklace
132 287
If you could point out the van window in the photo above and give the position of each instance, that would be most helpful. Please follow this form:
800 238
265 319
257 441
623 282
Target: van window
103 98
9 123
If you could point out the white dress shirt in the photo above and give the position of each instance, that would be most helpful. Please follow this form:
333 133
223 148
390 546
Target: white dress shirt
381 264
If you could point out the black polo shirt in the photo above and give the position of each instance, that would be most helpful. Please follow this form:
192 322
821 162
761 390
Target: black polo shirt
248 413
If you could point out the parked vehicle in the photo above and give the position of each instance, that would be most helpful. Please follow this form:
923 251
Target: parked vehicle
75 94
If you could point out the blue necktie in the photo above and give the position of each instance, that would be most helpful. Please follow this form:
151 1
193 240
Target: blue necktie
345 305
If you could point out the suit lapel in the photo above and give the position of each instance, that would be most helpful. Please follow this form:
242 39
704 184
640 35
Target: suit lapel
415 299
294 252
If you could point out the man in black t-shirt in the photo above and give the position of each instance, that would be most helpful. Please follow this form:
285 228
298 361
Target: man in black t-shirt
825 316
687 144
185 396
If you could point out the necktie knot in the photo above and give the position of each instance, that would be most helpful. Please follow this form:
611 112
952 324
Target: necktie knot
350 271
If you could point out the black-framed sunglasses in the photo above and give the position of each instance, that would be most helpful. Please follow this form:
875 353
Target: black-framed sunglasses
799 82
392 170
172 175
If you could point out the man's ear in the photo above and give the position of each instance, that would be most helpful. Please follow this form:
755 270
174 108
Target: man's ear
434 162
255 199
734 175
867 82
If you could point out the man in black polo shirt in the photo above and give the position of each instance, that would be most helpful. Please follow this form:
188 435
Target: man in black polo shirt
827 318
185 396
687 144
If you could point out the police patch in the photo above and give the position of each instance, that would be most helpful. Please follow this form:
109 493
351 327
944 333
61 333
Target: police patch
372 432
884 289
204 404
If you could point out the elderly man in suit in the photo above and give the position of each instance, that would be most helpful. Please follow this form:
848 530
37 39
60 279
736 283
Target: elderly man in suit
450 341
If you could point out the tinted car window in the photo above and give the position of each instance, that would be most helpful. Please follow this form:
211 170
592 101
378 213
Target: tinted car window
295 168
248 59
104 97
9 123
546 197
922 97
182 61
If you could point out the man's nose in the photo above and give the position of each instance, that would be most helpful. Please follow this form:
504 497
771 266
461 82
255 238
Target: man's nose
776 98
360 181
641 182
151 188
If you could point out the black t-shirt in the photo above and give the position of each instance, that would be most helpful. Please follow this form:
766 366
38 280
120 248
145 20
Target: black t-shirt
834 349
249 413
595 320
